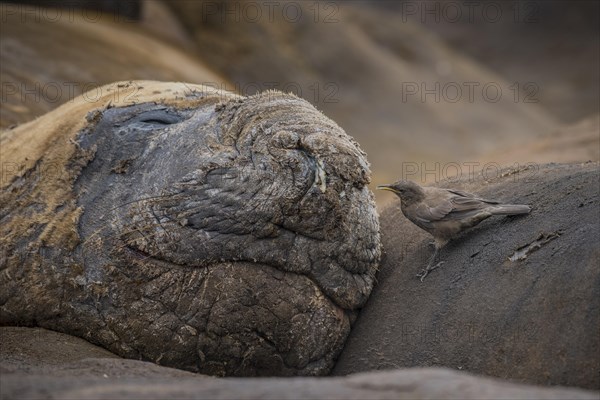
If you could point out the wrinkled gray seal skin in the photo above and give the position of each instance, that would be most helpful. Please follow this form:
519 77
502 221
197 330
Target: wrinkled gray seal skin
230 239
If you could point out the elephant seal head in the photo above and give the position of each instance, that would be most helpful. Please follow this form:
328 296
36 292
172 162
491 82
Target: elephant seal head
225 234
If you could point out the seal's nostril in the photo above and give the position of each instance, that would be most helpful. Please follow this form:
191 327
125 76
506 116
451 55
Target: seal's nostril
285 140
320 176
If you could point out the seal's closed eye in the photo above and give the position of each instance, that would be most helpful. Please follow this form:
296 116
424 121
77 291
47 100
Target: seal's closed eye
144 117
158 117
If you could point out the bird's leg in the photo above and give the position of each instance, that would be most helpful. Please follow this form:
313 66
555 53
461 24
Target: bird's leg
431 265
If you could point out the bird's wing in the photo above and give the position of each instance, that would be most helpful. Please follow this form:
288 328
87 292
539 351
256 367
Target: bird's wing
426 212
467 207
460 194
454 206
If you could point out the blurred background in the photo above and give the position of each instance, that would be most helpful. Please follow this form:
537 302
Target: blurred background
430 89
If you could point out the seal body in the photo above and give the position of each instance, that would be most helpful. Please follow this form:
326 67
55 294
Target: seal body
191 227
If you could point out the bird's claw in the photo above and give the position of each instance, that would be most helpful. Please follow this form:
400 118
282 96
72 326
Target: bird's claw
427 270
423 274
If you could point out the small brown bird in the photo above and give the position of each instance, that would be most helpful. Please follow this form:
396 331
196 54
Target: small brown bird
444 213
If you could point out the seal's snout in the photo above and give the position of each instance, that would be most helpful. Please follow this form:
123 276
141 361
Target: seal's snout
285 139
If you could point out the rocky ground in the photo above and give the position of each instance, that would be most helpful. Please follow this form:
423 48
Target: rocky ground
40 364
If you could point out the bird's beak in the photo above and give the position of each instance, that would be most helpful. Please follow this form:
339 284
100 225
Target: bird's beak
386 187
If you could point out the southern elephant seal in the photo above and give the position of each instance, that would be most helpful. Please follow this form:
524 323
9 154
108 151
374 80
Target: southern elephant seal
189 226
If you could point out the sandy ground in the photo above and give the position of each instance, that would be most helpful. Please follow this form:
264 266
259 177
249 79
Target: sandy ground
48 62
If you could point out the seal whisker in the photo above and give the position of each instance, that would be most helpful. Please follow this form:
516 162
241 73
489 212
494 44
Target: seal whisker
117 234
107 224
186 212
156 198
146 234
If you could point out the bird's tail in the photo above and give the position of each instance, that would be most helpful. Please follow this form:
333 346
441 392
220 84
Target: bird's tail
510 209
